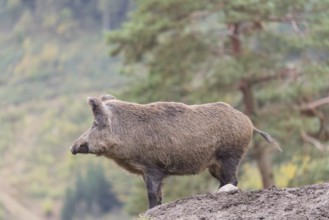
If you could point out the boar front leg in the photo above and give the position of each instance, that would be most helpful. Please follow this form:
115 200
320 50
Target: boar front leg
153 180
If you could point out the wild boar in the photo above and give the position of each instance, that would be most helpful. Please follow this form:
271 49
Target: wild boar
168 138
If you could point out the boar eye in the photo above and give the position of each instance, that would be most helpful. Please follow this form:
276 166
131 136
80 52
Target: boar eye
95 124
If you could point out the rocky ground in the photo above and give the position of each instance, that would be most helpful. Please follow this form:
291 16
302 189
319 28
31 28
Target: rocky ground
307 202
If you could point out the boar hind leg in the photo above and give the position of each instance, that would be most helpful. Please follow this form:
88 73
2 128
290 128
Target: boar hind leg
225 169
153 181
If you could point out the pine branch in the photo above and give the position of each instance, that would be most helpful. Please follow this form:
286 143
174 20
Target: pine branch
254 80
311 106
310 110
316 143
287 19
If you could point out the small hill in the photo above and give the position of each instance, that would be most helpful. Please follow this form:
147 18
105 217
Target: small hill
307 202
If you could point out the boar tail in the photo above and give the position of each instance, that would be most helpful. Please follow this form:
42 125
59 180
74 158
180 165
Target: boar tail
268 138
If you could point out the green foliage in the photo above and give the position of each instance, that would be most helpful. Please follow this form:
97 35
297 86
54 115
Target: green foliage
183 58
69 205
250 178
48 207
143 218
138 200
92 195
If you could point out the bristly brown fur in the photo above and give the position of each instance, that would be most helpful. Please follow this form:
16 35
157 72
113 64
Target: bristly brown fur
173 137
168 138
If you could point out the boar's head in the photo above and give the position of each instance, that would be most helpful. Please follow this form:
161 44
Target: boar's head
95 139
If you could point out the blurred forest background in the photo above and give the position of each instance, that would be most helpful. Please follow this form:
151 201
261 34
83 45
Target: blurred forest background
267 58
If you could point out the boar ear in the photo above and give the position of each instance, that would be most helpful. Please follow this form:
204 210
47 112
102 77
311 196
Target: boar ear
98 109
107 97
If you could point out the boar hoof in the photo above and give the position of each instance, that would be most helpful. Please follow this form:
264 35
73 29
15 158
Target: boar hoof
227 188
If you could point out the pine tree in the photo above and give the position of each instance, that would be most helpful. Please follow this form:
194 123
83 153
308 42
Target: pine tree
91 196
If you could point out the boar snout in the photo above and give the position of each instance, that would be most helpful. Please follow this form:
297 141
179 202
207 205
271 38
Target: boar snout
73 149
82 149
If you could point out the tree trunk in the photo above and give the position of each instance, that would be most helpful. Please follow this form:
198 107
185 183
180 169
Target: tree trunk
264 163
262 154
235 40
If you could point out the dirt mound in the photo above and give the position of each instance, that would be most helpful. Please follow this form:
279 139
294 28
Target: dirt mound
308 202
